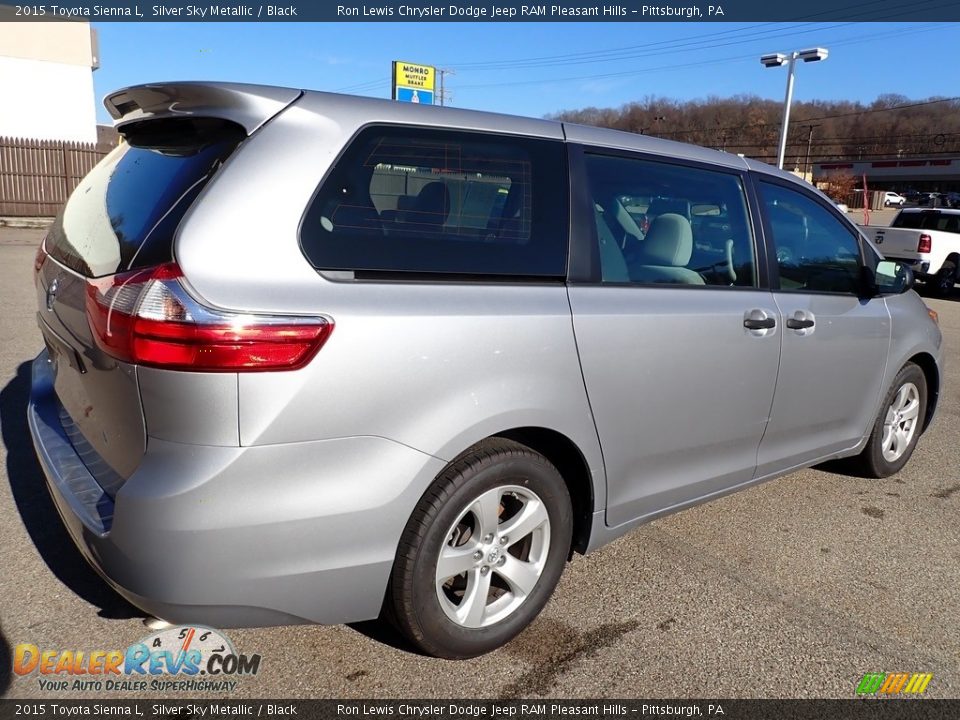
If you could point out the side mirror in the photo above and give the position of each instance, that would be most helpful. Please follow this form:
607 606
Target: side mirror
893 278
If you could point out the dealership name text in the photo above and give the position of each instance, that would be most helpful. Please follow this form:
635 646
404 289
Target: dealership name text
498 12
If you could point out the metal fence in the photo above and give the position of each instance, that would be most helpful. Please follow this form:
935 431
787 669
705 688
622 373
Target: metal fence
37 176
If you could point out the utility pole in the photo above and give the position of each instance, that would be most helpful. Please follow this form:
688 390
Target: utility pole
443 92
806 165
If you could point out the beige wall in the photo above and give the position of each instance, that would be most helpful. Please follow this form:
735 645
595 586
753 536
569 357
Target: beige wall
46 65
68 43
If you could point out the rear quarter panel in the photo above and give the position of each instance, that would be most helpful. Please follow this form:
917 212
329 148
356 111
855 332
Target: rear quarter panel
433 366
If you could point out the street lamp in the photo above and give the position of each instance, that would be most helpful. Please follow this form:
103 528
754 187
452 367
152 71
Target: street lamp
778 59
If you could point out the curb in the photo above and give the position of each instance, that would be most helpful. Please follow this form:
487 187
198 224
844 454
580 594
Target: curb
16 222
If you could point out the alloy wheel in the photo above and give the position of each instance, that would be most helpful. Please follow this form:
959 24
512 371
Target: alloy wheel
900 423
493 557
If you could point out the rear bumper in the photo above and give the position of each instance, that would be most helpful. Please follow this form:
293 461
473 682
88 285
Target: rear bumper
234 536
72 483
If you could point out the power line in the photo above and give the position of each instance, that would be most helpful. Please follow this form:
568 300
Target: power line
766 31
714 61
650 50
802 121
369 85
591 53
876 110
671 46
666 47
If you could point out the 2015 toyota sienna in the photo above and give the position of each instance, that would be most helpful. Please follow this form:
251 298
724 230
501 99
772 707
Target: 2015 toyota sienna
316 358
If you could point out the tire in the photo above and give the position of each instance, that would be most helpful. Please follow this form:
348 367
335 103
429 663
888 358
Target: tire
944 280
898 425
465 519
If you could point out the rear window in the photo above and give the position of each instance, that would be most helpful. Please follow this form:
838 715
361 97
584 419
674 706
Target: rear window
124 213
416 201
928 221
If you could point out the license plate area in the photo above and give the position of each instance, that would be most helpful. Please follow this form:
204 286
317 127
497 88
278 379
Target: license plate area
59 351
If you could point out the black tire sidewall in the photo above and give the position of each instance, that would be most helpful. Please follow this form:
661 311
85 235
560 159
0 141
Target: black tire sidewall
945 280
439 634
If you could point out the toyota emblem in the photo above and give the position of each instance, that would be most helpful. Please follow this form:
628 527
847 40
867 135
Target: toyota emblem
52 293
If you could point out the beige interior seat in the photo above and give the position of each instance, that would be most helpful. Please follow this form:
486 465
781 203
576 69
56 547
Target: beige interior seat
665 253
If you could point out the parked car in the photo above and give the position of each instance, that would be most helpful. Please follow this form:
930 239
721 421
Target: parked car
928 240
950 199
892 198
318 358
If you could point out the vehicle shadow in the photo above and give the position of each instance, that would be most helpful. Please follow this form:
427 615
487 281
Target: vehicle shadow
843 466
925 292
37 510
381 631
6 665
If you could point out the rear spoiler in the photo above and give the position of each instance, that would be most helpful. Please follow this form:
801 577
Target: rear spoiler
247 105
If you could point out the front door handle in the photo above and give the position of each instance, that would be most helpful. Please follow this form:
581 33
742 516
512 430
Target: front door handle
764 324
798 324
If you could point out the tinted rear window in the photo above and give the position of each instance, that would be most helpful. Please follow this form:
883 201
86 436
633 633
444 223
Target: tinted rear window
124 213
928 221
409 200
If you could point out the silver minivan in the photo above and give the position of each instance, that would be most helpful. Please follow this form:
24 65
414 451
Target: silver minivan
317 358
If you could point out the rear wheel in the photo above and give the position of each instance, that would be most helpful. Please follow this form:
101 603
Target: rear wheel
945 279
483 551
898 425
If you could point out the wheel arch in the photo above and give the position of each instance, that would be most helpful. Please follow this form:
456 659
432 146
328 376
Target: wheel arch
951 259
928 365
570 462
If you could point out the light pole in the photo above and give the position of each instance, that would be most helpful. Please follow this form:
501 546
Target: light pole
776 60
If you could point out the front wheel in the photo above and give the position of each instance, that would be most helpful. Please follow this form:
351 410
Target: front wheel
898 425
482 552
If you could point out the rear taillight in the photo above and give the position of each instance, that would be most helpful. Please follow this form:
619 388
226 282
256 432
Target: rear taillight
926 243
40 257
146 317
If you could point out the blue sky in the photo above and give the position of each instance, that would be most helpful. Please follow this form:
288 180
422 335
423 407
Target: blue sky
539 68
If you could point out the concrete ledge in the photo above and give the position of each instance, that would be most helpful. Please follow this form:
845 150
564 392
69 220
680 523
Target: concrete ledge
26 222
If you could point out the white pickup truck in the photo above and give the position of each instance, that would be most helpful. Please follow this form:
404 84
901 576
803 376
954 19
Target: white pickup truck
928 240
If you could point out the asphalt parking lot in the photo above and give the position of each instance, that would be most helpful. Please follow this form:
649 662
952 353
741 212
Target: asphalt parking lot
795 588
